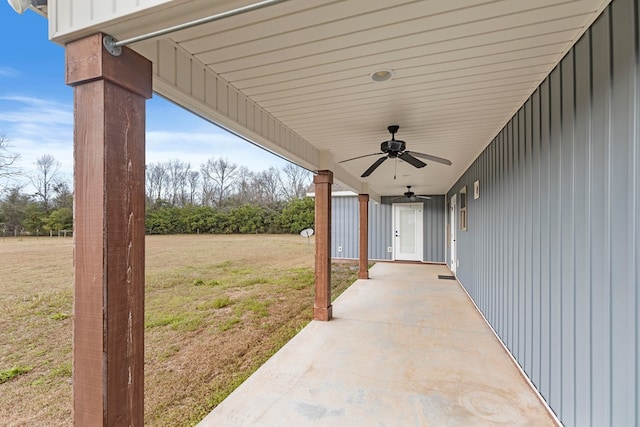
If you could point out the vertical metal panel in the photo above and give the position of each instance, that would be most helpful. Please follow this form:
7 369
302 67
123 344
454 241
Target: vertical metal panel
623 218
521 234
543 248
345 214
567 227
581 199
598 172
434 229
380 223
344 227
553 278
534 316
552 252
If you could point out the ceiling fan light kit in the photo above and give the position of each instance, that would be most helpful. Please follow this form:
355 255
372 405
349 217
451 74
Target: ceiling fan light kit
395 149
410 196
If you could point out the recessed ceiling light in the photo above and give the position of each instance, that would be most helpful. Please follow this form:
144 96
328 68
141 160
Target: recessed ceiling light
382 75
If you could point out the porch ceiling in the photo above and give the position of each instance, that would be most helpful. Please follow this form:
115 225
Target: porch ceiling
462 68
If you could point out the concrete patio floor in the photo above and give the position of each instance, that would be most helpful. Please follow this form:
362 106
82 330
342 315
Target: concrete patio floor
404 349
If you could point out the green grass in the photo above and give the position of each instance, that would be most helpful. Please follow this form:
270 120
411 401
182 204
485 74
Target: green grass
9 374
221 302
177 322
63 371
212 283
254 305
59 316
214 312
228 324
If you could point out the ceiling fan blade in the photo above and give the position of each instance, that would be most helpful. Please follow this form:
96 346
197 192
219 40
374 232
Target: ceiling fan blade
373 167
411 160
430 157
424 197
359 157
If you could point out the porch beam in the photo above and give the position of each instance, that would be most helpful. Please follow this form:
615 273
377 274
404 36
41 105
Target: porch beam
109 174
363 271
322 309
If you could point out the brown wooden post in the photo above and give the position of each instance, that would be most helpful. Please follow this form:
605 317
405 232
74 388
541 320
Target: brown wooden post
109 173
322 307
363 271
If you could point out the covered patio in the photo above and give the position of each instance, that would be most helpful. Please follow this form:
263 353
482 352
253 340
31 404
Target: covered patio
404 348
532 110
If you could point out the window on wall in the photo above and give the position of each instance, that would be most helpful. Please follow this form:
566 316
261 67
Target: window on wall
463 208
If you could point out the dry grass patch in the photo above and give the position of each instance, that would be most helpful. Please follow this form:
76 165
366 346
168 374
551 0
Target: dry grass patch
216 308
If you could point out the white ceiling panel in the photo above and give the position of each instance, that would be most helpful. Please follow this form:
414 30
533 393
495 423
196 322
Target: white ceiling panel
462 69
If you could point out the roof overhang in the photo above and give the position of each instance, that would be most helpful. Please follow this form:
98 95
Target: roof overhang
295 77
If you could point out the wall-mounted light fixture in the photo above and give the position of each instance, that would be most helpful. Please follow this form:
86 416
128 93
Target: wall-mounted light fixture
21 5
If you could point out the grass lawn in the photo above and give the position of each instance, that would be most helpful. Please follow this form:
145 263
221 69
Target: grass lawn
217 307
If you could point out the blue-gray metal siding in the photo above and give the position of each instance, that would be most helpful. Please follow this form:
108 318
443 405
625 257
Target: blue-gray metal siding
380 233
345 223
552 251
345 220
434 229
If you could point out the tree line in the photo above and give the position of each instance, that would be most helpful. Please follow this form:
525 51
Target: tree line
222 197
218 197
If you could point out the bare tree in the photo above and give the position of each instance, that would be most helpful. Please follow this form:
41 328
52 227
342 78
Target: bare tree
295 181
193 180
177 179
63 196
218 179
45 177
268 185
8 160
244 188
156 178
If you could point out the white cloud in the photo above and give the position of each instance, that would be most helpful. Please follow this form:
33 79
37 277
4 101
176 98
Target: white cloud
8 72
37 126
197 147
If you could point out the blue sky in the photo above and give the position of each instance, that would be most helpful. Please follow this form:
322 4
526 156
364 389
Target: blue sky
36 108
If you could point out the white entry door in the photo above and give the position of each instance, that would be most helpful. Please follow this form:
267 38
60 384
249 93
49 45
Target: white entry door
407 232
453 233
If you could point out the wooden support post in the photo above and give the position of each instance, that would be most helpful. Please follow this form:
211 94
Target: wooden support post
109 174
322 307
363 271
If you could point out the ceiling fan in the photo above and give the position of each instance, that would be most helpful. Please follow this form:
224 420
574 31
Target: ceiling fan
395 149
410 196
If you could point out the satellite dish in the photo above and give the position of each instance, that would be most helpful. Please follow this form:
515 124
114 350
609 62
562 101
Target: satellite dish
307 232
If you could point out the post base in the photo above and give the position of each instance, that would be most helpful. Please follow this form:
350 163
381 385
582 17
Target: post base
323 314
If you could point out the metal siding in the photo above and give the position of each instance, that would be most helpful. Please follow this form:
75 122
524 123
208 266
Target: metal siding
567 411
599 215
553 278
534 316
543 251
344 231
379 230
551 254
623 288
344 227
581 198
434 229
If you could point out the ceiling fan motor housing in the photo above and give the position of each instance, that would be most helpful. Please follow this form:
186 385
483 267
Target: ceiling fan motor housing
392 147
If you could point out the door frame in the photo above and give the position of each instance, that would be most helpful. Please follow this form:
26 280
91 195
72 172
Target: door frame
419 207
453 234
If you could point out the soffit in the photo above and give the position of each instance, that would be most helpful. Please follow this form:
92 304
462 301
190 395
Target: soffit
462 69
